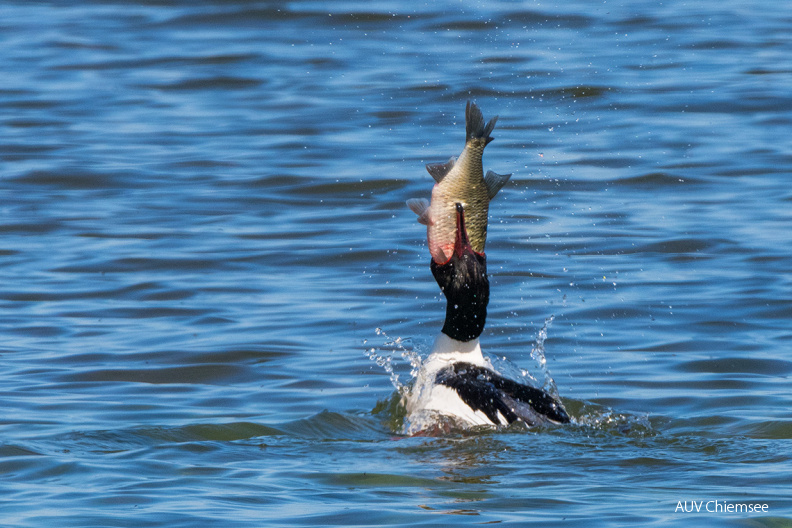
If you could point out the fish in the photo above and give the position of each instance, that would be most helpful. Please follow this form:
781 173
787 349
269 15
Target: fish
460 180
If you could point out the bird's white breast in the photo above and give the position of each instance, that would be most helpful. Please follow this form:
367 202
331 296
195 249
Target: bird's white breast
427 399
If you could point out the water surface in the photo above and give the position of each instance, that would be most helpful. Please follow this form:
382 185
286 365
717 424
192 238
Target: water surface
203 227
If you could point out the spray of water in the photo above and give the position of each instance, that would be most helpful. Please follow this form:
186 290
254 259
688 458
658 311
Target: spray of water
538 355
608 421
394 348
392 352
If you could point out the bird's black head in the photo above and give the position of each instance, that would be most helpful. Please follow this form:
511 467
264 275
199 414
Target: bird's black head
463 280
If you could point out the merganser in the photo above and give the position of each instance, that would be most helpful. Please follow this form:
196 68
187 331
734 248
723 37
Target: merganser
456 380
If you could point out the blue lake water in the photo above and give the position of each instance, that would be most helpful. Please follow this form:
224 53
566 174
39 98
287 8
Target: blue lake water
204 242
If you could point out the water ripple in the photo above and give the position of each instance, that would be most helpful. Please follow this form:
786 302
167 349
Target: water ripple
203 220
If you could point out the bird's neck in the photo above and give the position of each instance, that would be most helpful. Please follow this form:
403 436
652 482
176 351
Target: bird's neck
453 350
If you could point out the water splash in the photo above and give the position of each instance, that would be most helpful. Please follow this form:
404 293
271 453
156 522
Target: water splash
394 348
538 355
609 421
538 377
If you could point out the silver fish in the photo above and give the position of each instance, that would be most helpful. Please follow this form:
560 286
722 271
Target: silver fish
460 180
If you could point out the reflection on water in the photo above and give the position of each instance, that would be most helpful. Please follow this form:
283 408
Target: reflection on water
203 219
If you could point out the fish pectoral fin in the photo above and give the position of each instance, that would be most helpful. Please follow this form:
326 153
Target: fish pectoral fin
494 182
439 170
420 206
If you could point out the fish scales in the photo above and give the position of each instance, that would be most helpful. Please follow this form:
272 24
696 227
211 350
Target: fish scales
460 180
464 184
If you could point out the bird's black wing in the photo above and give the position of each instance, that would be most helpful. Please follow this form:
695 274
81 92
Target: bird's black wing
486 391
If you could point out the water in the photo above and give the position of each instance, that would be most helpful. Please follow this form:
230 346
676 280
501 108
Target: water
203 226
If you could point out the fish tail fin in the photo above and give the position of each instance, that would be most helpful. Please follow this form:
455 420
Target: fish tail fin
474 124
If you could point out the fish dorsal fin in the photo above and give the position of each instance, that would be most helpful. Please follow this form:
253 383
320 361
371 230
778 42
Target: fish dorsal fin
420 206
439 170
494 182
